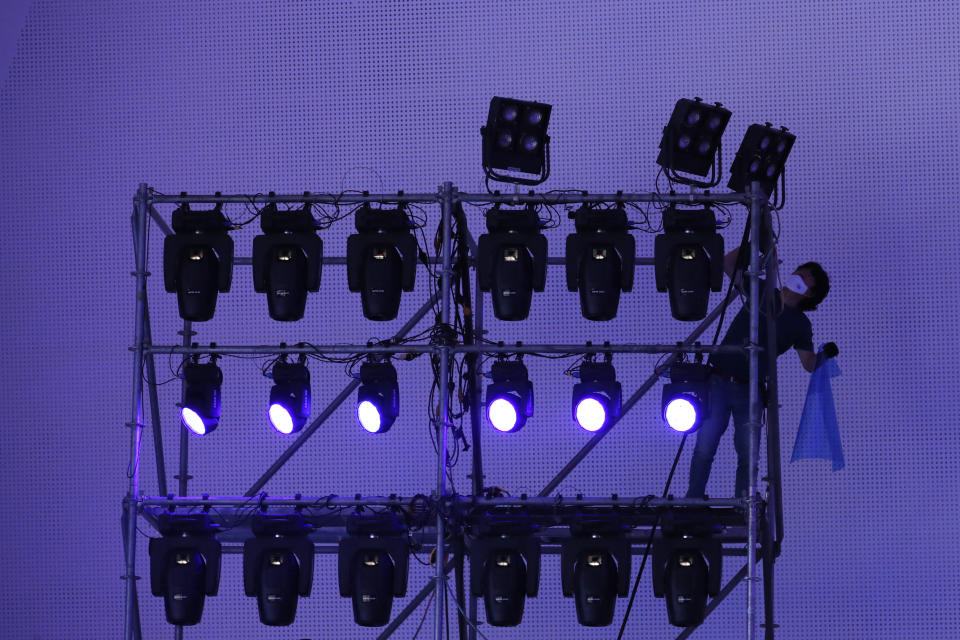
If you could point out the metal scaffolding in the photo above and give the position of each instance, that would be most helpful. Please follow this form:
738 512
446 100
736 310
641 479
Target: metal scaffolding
754 520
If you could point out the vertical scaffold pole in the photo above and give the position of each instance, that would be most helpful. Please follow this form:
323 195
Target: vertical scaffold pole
756 211
131 615
446 207
183 474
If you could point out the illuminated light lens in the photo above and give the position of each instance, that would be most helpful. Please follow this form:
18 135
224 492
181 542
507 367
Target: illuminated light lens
502 415
771 170
714 122
534 117
704 147
505 140
754 166
530 143
509 113
765 142
683 142
781 146
192 420
680 414
693 117
280 418
591 414
369 416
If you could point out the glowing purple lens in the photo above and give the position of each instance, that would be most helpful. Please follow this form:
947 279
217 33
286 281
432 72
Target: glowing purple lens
683 142
502 415
680 414
591 414
280 418
369 416
192 420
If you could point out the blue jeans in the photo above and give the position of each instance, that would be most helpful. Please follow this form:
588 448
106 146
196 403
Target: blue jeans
726 397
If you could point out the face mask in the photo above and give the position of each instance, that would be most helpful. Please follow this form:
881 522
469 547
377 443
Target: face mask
796 284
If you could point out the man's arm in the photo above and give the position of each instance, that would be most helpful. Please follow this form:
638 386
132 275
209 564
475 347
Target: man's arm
808 359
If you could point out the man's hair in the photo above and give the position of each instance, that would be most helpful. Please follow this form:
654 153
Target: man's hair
820 288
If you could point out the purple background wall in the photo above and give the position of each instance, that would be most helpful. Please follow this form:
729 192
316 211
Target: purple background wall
247 97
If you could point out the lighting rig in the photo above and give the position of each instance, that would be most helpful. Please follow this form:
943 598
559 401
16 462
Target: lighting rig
200 407
600 260
290 395
184 566
278 566
687 567
512 260
287 260
515 139
761 157
691 141
509 396
198 260
378 398
504 567
381 260
595 568
688 260
686 398
372 566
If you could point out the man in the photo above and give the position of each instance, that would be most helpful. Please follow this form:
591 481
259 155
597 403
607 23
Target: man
729 393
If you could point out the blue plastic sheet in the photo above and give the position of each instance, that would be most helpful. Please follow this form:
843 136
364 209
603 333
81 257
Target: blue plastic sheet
819 434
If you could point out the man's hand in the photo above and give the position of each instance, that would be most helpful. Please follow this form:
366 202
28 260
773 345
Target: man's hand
830 350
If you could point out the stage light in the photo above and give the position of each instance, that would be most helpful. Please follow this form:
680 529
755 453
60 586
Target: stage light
381 260
761 157
378 399
685 400
286 260
515 139
599 260
595 570
278 566
198 260
686 569
688 260
512 260
289 396
692 138
184 566
509 396
372 566
504 571
200 411
597 397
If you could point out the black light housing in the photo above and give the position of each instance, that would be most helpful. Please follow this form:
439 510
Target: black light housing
685 400
686 569
378 398
198 260
278 566
512 260
289 396
595 570
287 260
505 570
761 157
509 396
515 139
372 566
692 139
600 260
688 260
381 260
597 397
200 408
184 565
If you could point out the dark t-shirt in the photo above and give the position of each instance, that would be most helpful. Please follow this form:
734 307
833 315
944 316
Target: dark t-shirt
793 330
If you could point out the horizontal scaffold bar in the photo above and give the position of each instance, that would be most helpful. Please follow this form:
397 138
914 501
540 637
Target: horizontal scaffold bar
429 348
